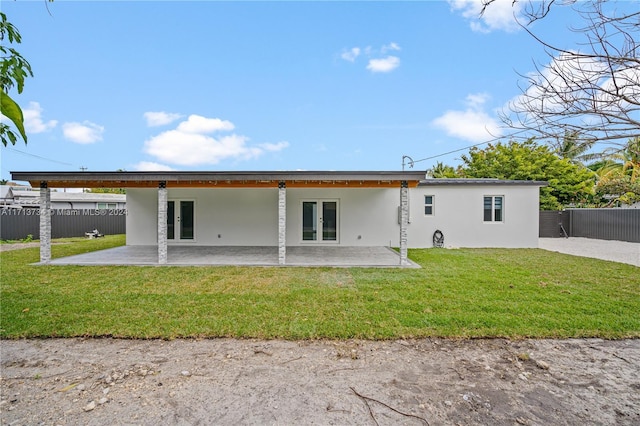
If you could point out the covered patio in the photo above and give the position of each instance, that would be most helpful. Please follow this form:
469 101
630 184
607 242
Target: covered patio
282 213
330 256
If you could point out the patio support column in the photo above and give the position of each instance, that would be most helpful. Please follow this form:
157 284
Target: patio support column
282 222
404 220
45 222
162 222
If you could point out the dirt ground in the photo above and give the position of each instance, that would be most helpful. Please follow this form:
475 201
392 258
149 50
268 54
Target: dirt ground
227 381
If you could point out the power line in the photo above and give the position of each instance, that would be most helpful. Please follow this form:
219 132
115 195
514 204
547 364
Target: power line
38 156
497 138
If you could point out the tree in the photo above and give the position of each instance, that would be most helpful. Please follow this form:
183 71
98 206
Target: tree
619 175
441 170
593 91
569 183
573 150
13 70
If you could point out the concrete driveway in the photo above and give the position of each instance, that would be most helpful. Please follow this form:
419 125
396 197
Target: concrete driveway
616 251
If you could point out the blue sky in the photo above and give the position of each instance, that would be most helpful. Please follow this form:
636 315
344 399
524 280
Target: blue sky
266 85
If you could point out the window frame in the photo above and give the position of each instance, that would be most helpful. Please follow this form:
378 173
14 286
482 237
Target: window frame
430 205
106 206
493 208
319 221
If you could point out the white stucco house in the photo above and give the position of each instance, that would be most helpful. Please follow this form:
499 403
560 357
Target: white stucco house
307 208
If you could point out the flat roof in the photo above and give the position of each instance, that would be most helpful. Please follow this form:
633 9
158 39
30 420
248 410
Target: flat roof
220 178
298 178
479 181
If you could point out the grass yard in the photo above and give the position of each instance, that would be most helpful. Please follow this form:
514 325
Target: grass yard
457 293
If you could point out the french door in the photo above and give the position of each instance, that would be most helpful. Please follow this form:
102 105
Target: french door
320 221
180 220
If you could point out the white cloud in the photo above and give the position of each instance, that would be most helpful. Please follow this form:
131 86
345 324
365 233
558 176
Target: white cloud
387 64
390 46
572 84
160 118
499 15
33 119
274 147
374 62
351 54
191 145
476 100
150 166
83 133
472 124
200 124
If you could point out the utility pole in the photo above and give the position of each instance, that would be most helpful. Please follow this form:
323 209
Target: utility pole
83 169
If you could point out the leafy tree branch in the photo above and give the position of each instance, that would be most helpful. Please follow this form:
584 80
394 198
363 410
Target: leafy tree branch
14 68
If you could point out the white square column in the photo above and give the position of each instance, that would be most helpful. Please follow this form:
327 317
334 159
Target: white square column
162 222
282 223
45 223
404 221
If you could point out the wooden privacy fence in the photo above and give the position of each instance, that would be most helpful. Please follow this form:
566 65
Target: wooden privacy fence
601 224
17 224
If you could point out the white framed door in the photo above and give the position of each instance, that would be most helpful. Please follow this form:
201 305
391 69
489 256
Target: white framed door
181 222
320 221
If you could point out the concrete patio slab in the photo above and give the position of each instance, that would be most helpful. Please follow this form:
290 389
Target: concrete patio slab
377 257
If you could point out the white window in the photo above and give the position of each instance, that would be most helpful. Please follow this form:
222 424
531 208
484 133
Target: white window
428 205
493 208
102 206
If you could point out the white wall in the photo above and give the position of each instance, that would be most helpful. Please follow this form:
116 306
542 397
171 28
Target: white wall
223 216
458 213
142 216
367 216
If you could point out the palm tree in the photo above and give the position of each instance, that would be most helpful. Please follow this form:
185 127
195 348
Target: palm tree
573 150
622 162
441 170
619 173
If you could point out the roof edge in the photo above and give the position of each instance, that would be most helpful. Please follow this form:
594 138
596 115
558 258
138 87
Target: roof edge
480 181
217 175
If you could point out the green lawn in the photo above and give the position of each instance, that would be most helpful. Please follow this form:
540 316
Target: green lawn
457 293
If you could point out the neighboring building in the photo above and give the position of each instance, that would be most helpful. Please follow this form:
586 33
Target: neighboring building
25 197
398 209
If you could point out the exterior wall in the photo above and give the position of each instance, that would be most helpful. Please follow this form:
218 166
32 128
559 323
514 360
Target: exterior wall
142 216
223 216
458 213
367 216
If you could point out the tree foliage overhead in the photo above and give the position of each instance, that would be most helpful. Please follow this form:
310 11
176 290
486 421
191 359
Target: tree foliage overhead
568 182
13 71
592 90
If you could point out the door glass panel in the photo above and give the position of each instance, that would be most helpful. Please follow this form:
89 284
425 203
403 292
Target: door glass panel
171 220
329 220
309 221
186 220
